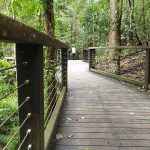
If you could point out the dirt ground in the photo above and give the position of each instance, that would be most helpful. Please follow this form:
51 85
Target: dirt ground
132 66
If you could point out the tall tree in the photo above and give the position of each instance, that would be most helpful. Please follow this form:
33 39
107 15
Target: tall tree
49 17
115 30
50 27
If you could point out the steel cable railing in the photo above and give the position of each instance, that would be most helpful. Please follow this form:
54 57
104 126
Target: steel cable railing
52 106
12 91
30 91
15 66
25 120
24 139
53 94
126 63
14 112
11 115
49 96
53 89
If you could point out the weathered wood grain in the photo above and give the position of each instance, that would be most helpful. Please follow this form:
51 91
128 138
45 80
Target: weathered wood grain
102 114
14 31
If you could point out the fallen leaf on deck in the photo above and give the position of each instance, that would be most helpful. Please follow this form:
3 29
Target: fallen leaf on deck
70 136
69 119
132 113
59 136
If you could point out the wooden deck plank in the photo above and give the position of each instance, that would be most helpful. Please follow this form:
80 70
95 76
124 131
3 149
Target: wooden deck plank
66 147
102 114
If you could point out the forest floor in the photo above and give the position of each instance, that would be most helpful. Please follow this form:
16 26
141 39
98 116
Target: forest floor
132 66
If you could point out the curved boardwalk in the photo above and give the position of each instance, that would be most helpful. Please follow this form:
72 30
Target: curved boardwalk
102 114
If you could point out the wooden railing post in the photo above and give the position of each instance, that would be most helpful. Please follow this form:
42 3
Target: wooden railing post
147 70
64 66
87 55
92 53
33 72
84 55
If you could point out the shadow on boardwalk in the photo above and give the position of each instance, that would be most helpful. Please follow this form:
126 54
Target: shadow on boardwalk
102 114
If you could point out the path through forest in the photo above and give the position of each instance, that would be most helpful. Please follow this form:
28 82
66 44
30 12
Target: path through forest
102 114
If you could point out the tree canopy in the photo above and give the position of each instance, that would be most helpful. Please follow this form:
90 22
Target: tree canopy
85 23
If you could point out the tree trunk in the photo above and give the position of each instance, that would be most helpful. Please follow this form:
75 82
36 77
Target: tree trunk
74 33
143 16
115 31
131 27
50 27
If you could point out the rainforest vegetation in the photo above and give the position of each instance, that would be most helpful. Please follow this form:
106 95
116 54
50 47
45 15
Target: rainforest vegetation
79 23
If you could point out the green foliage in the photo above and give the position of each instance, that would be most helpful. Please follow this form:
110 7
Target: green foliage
7 106
30 12
4 64
101 55
136 26
80 22
1 53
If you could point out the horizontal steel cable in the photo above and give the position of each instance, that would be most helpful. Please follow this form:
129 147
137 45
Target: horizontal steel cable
26 100
52 90
9 93
49 105
24 139
51 84
25 120
22 65
50 113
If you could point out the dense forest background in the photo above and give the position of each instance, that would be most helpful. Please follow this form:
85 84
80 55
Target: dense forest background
85 23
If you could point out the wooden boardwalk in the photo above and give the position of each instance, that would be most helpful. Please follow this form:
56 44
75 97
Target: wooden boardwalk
102 114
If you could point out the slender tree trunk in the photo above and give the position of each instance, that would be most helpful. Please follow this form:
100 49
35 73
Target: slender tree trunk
74 29
132 28
49 18
143 16
50 27
115 30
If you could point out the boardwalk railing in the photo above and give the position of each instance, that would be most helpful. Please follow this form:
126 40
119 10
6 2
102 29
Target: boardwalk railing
85 55
97 54
39 103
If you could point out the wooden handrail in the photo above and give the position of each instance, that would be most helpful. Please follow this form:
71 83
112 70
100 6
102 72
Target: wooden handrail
17 32
92 56
120 47
30 44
